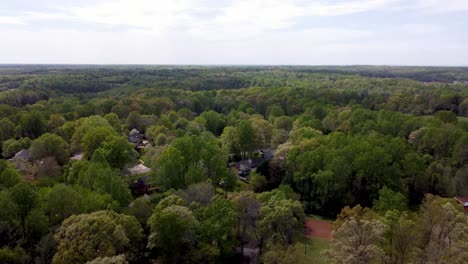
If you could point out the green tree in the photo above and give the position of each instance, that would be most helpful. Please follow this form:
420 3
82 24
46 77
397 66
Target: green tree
214 122
217 222
50 145
119 259
100 177
141 208
55 121
25 198
173 229
61 202
11 146
134 120
94 138
245 137
114 121
357 242
32 124
390 200
281 220
85 237
119 152
10 177
7 129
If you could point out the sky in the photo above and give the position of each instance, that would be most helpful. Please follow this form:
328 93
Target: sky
279 32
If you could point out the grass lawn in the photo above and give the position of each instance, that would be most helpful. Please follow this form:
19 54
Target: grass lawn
311 254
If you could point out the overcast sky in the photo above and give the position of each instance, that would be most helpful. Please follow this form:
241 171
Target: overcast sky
312 32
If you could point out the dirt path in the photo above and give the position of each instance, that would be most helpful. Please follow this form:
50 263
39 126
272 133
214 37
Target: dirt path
317 228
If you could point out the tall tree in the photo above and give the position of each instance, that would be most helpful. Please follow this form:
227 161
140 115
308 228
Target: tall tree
84 237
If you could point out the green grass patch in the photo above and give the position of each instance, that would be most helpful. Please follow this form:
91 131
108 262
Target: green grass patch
311 252
321 218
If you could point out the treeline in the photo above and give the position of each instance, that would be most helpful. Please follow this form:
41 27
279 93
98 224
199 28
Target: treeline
389 233
318 143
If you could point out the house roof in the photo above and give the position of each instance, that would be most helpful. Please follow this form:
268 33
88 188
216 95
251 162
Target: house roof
77 156
22 154
139 169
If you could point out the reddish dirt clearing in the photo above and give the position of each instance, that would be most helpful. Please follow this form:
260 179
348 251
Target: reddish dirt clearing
317 228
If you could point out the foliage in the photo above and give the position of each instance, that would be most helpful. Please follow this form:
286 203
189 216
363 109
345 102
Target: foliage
85 237
50 145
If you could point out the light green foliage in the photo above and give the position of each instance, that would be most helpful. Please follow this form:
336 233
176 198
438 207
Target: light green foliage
442 232
119 152
239 140
447 116
89 133
257 182
263 132
356 242
7 129
217 224
85 237
322 168
169 201
55 121
102 178
50 145
282 219
193 159
94 139
10 177
283 122
390 200
141 208
200 193
281 255
25 198
246 139
63 201
32 124
11 146
274 111
214 122
114 121
134 121
399 236
119 259
12 256
173 229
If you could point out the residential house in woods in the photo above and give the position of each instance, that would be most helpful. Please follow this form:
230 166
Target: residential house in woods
138 139
244 167
21 161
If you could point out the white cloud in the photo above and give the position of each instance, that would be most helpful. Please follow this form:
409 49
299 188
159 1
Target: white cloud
159 16
235 32
12 20
442 6
422 29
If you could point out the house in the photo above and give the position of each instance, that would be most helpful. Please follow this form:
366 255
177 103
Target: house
77 156
266 153
135 137
22 155
463 201
22 162
139 169
244 167
138 139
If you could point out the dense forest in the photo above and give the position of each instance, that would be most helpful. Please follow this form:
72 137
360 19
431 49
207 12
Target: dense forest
226 164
